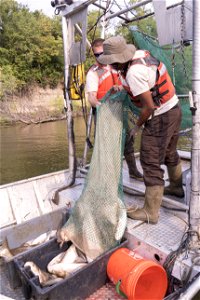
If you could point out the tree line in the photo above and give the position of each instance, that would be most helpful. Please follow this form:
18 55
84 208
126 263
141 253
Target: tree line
31 49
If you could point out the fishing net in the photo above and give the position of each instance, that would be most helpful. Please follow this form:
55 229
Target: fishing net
177 59
98 220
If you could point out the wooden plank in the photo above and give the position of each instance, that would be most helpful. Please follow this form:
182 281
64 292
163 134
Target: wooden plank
19 234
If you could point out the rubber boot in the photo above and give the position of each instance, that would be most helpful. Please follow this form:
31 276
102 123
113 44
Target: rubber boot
133 171
150 212
176 182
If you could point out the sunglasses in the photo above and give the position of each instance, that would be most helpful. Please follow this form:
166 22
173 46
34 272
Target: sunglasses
98 54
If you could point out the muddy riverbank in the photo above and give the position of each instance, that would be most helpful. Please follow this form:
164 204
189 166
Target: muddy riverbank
38 105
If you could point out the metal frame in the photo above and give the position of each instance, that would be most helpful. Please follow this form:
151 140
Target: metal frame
195 181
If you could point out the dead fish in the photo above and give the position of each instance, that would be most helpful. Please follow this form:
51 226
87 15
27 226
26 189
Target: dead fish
64 270
61 236
71 256
41 238
66 262
56 260
68 257
45 278
5 251
32 243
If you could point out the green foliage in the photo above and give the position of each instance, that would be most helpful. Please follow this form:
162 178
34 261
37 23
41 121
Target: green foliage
31 45
93 31
31 49
147 25
8 82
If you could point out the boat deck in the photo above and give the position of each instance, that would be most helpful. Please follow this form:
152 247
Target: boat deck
152 241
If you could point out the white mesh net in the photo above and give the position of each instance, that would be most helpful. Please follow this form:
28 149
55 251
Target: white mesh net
98 220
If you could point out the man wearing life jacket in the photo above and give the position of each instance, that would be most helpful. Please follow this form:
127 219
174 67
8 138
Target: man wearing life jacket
149 85
99 80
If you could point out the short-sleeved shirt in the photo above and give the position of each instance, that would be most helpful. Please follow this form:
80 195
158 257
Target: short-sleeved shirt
142 78
92 80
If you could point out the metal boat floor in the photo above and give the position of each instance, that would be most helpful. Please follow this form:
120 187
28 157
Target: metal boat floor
152 241
30 198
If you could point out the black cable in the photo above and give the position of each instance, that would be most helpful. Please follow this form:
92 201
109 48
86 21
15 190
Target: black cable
171 258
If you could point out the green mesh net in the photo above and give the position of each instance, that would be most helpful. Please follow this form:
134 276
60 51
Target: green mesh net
98 220
181 77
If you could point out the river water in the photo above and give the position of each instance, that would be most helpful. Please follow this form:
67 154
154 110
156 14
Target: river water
31 150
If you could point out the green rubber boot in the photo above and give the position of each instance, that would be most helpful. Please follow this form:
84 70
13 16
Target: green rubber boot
175 186
132 167
150 212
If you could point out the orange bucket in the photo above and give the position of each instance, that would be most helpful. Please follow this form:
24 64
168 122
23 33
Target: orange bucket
137 277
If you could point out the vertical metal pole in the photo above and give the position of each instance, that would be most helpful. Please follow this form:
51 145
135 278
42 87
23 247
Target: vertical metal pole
89 126
68 105
89 121
195 184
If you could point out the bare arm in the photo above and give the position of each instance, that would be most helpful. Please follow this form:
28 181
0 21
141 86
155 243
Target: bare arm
147 107
92 98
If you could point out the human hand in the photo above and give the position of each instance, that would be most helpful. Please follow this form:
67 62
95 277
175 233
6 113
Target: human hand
93 99
116 88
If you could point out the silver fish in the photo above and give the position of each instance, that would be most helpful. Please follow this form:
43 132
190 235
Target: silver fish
45 278
41 238
62 236
66 262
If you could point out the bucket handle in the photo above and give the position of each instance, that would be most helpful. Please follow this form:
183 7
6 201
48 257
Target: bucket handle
118 289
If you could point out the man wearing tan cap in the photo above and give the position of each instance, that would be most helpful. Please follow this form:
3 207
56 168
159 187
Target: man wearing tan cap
99 80
148 83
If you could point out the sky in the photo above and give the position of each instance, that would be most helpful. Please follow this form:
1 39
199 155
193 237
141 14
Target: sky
45 5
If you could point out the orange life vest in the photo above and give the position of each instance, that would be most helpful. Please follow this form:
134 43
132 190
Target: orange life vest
163 90
107 78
